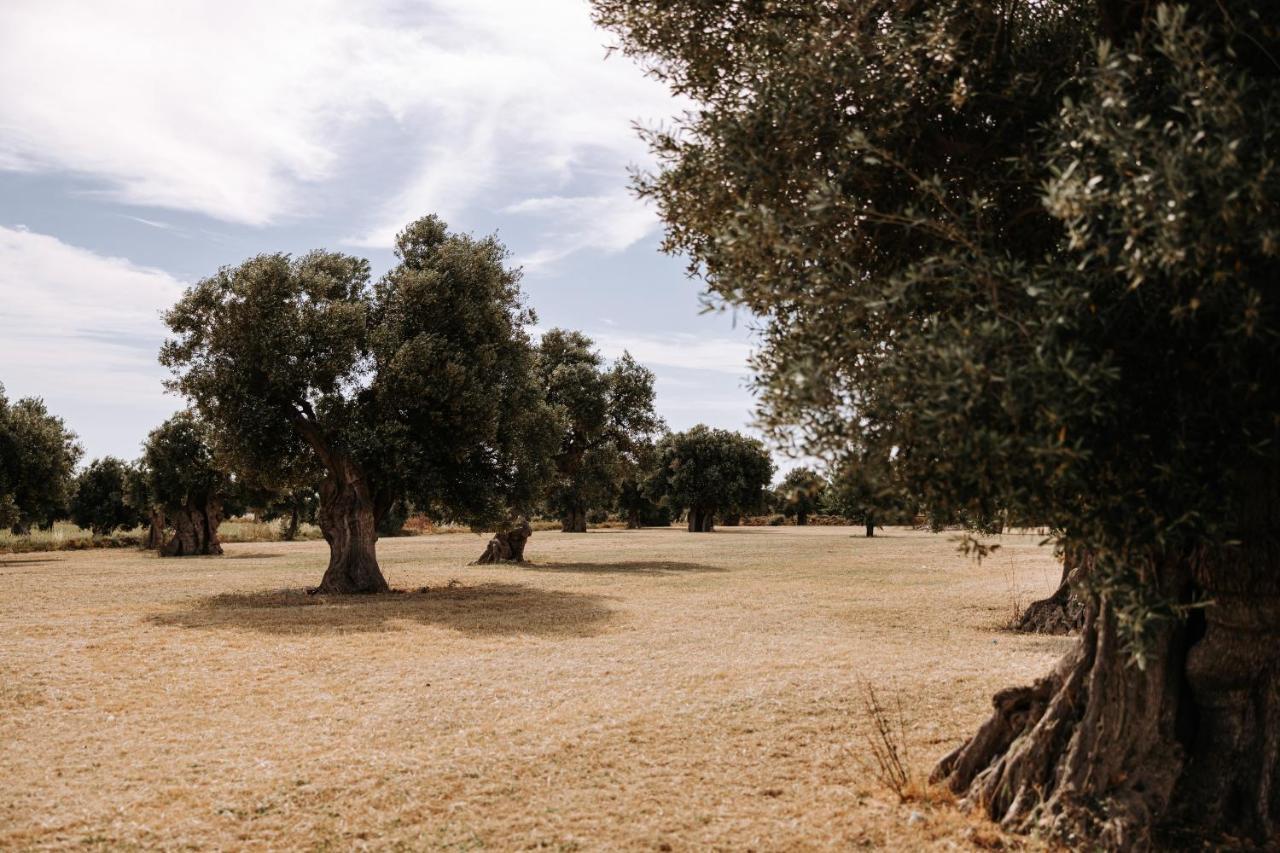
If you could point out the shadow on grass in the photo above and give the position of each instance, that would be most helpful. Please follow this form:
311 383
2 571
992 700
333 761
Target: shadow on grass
630 567
27 561
257 555
493 609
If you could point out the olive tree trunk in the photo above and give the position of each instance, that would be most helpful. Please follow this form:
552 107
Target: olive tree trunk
633 519
701 520
1103 750
155 529
574 521
871 525
291 529
507 546
349 523
1062 612
195 529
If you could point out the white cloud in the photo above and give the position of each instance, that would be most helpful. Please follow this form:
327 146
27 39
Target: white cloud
83 331
685 351
609 223
243 110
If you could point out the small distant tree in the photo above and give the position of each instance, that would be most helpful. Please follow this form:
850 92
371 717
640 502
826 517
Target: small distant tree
800 494
605 415
101 501
38 456
420 387
634 502
708 472
864 490
184 480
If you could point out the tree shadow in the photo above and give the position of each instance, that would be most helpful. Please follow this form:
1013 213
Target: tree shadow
627 567
492 609
259 555
27 561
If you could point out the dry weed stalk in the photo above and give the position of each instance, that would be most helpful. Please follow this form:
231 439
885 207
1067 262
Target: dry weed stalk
887 741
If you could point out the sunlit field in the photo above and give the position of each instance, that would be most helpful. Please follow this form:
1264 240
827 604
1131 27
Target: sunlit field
630 689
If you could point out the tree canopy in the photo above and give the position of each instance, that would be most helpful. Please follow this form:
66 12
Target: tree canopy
708 472
101 503
1028 251
419 386
800 494
187 482
605 414
38 456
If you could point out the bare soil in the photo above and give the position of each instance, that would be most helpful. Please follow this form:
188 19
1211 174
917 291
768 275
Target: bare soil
644 689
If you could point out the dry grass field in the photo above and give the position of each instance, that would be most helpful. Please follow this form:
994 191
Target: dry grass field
629 690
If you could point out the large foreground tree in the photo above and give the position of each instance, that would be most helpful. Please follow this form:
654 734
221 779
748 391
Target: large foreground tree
1029 251
418 387
708 472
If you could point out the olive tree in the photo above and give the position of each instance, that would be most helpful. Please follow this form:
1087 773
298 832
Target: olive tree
1029 248
605 414
708 472
186 485
38 457
800 494
420 386
101 501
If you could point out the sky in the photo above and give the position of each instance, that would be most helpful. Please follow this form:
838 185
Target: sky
143 145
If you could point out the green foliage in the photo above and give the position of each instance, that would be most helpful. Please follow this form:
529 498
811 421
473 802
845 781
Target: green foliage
179 465
101 503
605 414
801 493
38 456
423 381
714 471
1026 250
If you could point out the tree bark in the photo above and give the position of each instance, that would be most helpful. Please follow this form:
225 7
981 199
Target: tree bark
574 521
802 519
350 526
633 519
1062 612
291 529
871 525
1104 751
155 530
701 520
195 529
507 546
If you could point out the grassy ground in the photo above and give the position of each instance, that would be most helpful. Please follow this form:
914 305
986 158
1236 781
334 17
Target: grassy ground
630 690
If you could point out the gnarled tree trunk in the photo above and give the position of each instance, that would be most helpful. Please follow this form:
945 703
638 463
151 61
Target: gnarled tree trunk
507 546
155 529
574 521
291 529
871 525
195 529
349 522
1105 752
701 520
1062 612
